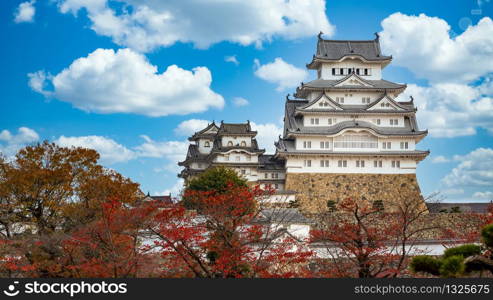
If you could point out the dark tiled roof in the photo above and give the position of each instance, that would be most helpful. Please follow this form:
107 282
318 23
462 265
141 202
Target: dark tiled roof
203 133
269 162
164 199
381 84
476 207
193 155
294 124
282 216
333 50
236 128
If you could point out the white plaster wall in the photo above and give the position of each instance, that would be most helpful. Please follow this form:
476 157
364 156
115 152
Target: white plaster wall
296 165
324 117
232 157
236 140
376 69
354 98
203 149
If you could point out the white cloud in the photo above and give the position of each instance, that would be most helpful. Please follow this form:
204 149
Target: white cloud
171 150
25 12
145 25
281 73
452 109
440 159
189 127
110 151
451 192
475 169
175 190
483 195
125 82
232 59
11 143
423 45
240 101
267 134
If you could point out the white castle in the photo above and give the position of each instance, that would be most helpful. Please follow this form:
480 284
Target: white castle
344 135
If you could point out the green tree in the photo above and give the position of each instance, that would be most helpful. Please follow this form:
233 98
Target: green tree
217 180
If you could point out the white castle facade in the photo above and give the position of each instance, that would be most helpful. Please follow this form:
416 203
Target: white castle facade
344 134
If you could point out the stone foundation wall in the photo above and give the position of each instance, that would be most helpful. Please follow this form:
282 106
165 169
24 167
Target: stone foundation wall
316 189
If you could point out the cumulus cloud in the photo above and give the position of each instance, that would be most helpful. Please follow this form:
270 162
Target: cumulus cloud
110 151
281 73
483 195
475 169
125 82
232 59
240 101
11 143
174 190
452 109
439 159
267 134
145 25
25 12
189 127
424 45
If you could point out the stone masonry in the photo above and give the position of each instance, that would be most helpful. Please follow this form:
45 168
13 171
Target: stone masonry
314 190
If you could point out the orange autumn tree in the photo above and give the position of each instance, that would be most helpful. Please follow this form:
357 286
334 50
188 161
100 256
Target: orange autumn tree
46 192
224 240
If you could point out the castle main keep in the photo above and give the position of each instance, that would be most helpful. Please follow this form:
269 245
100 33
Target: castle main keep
345 135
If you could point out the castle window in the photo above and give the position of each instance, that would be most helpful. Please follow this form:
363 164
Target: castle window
404 145
387 104
320 104
333 71
357 71
326 104
324 163
367 72
360 164
394 122
243 171
387 145
330 121
382 104
266 175
355 141
324 145
396 164
342 163
230 144
307 163
207 144
307 144
243 144
275 175
276 186
378 205
377 163
341 71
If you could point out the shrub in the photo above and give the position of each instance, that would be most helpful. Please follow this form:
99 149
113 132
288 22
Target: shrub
425 263
487 235
464 251
452 266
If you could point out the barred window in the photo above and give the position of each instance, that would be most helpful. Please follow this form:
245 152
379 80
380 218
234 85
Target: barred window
355 141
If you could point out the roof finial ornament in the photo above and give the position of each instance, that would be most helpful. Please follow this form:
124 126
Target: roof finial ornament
411 97
377 36
302 84
287 97
320 35
222 121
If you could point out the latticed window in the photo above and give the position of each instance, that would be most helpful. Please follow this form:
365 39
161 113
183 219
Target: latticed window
230 144
243 144
356 141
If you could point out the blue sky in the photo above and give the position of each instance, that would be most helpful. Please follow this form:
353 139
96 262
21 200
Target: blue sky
77 72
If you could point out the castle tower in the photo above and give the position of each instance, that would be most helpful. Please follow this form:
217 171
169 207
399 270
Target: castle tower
345 135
